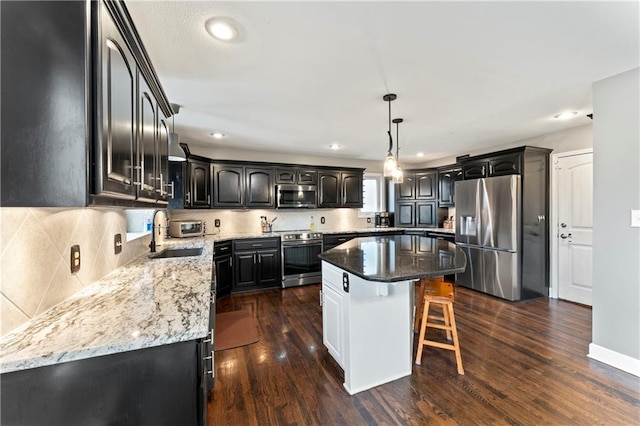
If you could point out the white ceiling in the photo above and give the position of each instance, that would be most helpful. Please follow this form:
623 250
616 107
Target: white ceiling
306 74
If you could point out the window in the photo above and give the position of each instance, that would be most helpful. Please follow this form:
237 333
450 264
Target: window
372 199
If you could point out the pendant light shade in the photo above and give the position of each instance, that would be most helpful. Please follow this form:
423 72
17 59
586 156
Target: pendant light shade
175 151
389 162
389 165
397 175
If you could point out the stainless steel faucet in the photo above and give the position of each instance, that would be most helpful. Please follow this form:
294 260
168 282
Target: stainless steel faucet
152 244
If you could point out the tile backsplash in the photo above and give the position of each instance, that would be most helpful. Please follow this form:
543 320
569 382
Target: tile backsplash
248 221
35 246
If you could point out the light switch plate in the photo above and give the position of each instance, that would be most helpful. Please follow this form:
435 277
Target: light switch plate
635 218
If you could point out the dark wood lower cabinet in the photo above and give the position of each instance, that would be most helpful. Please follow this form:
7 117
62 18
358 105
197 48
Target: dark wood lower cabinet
163 385
256 264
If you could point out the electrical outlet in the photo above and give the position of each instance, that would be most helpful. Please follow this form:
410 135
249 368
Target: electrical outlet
322 220
635 218
216 223
117 244
75 258
368 220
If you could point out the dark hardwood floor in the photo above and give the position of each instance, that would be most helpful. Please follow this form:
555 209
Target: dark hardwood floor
525 364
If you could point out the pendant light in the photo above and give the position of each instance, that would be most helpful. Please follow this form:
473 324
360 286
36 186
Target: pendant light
175 151
389 162
397 176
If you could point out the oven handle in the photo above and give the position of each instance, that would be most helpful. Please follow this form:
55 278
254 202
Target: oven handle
301 243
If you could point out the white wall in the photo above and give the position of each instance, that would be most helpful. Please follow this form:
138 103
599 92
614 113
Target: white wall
616 245
566 140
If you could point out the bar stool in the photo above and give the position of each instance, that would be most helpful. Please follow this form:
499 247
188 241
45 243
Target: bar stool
439 293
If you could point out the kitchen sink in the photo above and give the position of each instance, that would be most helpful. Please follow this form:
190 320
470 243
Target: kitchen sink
181 252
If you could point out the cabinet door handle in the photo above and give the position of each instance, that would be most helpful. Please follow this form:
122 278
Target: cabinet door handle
321 301
208 199
187 197
172 185
231 261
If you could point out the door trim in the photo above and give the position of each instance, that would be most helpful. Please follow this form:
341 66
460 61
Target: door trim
553 220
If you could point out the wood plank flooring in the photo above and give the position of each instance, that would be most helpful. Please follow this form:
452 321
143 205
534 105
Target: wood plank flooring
525 364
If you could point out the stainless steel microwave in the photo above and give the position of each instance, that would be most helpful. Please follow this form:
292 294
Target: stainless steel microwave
186 228
296 196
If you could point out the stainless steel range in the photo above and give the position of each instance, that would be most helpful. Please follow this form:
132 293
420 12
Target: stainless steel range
300 262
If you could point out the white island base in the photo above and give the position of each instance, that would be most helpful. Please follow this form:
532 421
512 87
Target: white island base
367 329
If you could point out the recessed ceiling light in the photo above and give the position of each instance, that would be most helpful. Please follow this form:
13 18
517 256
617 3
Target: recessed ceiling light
420 154
335 146
223 29
217 135
565 115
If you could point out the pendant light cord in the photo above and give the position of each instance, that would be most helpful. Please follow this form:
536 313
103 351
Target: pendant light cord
397 142
389 131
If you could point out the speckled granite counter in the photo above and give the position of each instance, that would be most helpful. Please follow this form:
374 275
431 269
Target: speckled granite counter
142 304
397 257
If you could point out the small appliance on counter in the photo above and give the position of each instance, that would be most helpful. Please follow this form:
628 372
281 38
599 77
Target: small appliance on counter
384 219
187 228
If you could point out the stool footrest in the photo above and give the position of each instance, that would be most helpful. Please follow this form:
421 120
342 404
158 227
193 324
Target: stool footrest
440 326
439 345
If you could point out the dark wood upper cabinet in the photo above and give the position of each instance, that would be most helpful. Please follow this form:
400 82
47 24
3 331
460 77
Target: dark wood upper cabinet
199 184
426 187
162 159
118 85
351 189
328 188
307 177
146 143
510 164
45 123
89 136
286 176
228 185
407 189
447 178
293 175
475 169
259 187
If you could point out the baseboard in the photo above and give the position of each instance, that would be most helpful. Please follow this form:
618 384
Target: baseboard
614 359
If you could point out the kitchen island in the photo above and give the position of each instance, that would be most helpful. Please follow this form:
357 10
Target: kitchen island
368 302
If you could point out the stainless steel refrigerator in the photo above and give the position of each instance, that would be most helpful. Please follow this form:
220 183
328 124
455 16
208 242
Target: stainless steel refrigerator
488 229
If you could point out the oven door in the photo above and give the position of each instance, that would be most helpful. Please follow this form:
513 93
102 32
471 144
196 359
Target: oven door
300 263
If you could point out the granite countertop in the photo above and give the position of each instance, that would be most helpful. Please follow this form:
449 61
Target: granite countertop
397 257
142 304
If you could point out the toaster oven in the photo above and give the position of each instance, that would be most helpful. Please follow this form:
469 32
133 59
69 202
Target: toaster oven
186 228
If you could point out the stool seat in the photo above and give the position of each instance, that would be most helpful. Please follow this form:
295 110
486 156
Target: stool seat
439 293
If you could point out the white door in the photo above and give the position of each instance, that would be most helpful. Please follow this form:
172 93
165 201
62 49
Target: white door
575 228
